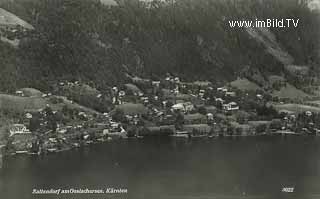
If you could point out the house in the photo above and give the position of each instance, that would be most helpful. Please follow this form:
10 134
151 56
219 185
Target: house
18 129
28 116
184 107
188 106
155 83
308 113
232 106
115 134
180 134
176 91
178 107
114 125
219 100
164 104
209 116
259 96
144 99
114 100
122 93
115 89
230 94
222 89
201 93
82 115
140 94
20 93
177 80
219 89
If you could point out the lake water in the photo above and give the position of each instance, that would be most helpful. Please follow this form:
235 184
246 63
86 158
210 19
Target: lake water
173 169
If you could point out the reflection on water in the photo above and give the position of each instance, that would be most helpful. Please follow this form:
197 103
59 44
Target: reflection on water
168 168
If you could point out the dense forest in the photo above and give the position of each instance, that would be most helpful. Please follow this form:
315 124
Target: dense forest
89 41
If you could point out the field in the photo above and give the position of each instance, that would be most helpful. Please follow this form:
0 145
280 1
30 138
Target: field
290 92
17 104
315 103
244 84
9 19
297 108
130 108
71 105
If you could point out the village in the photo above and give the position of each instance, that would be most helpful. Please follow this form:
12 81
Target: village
145 108
75 113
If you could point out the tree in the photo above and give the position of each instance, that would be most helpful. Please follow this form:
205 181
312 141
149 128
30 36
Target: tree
77 38
242 117
118 115
34 123
179 121
202 110
261 128
276 124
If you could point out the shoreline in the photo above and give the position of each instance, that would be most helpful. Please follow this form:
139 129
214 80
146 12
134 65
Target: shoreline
3 154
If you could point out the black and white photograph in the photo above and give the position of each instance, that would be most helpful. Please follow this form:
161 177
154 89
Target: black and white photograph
159 99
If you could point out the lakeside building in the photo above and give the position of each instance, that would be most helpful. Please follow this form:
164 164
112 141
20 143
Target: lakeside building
18 129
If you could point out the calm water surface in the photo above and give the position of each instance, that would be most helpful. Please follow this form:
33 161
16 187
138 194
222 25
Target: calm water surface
173 169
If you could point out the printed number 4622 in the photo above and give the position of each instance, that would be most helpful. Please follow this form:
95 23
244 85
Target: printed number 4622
288 189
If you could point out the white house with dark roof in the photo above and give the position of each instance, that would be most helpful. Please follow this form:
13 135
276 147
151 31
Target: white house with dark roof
18 129
232 106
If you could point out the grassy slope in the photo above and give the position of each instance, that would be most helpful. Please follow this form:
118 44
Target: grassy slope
244 84
21 104
297 108
11 19
72 105
291 92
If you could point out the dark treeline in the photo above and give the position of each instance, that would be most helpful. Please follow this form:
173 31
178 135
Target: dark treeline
86 40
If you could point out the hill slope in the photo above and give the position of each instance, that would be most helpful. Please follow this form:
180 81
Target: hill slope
9 19
85 40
